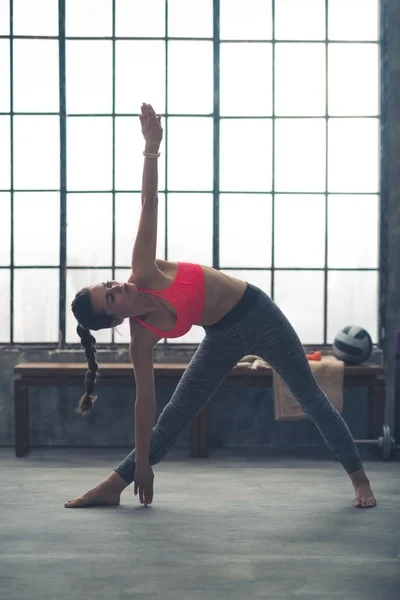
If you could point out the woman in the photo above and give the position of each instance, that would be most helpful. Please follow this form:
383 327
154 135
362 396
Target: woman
164 299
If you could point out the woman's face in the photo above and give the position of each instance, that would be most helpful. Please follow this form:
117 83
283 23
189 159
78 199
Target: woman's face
114 297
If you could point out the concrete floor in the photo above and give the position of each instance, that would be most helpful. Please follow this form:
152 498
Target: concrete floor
222 528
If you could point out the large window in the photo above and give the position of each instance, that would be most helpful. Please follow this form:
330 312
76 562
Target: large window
270 164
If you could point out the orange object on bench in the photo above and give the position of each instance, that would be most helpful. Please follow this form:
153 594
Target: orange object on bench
317 355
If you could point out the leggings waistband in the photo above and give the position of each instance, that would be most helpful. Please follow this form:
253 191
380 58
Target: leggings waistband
240 310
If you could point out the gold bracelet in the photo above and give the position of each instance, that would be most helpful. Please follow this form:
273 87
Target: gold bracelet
148 155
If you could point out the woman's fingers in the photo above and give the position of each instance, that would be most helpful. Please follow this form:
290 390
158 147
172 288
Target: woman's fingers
150 109
151 124
147 110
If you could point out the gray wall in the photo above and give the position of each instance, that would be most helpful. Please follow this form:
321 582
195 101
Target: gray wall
237 417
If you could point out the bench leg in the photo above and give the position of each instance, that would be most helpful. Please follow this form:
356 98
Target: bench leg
203 432
199 441
376 414
21 418
195 438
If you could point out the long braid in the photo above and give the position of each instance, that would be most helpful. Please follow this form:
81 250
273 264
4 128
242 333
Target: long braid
88 399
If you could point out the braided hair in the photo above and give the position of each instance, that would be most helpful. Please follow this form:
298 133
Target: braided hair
89 319
88 399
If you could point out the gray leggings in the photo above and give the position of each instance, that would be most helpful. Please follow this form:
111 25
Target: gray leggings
262 329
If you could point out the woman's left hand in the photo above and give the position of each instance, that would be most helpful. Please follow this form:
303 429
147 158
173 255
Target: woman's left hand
151 127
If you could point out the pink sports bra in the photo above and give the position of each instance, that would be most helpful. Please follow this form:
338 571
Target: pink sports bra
186 294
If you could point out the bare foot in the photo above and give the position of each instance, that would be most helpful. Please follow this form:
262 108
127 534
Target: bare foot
107 493
364 497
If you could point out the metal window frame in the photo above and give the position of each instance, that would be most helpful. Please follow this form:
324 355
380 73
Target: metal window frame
217 42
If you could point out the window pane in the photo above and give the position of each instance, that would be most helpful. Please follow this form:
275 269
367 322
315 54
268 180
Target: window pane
347 292
129 146
353 20
89 18
76 280
5 306
89 153
290 212
89 230
353 155
353 79
38 245
4 74
243 240
300 79
193 241
190 19
35 18
240 169
127 214
303 20
144 18
195 60
5 152
246 21
261 279
5 229
246 79
353 231
4 17
89 76
300 295
142 62
36 152
183 167
36 301
300 155
35 78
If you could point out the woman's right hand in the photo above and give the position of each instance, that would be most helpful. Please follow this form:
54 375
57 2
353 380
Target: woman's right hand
151 128
144 478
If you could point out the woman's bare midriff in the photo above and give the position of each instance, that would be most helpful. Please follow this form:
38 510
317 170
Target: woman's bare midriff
222 293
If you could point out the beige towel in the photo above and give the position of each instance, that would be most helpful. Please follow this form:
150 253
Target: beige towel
329 374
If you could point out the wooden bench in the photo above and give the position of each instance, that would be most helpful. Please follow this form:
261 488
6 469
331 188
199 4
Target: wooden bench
27 375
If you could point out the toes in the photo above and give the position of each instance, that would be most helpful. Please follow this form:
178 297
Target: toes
73 503
364 502
368 502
